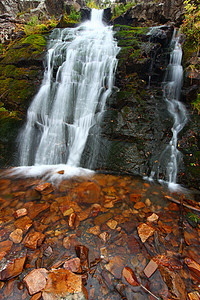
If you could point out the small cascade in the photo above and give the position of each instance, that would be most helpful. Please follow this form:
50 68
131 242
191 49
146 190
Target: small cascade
78 79
167 166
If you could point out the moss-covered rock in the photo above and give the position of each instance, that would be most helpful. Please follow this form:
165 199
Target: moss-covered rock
21 71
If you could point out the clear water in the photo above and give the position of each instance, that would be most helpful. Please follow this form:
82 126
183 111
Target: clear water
78 79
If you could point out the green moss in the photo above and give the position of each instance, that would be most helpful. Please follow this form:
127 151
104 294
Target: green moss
29 48
16 92
38 41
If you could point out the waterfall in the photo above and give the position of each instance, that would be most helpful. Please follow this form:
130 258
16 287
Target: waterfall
171 157
78 79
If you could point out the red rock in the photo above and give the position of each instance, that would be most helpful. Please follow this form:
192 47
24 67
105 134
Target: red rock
193 266
150 268
144 231
88 192
5 246
71 220
16 236
23 223
115 266
130 276
45 188
12 264
36 280
74 265
134 245
33 240
61 283
20 213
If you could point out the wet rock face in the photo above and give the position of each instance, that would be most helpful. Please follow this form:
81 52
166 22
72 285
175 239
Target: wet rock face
151 13
137 126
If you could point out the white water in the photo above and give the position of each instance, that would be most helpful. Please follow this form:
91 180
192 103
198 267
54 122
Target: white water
170 159
78 79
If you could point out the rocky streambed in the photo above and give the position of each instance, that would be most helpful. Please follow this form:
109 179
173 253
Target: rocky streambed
100 237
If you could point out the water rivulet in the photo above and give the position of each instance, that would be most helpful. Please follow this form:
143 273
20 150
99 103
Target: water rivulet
78 79
170 158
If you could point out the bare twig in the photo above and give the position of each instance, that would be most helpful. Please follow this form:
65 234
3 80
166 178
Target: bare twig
179 202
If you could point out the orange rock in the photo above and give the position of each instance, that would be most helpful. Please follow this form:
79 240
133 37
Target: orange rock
61 283
33 239
153 218
61 172
23 223
20 213
88 192
145 231
70 241
84 214
45 188
135 197
32 195
12 264
94 230
139 205
193 265
150 268
104 236
148 202
5 246
112 224
82 253
35 208
16 236
2 254
71 220
74 265
194 296
36 280
37 296
174 283
130 276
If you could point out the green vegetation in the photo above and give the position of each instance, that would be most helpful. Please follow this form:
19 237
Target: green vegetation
120 8
75 16
100 5
191 30
36 26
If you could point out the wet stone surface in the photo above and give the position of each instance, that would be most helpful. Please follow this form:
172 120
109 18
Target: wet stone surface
103 237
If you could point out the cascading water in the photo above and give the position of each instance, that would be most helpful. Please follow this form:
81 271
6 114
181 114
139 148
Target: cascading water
79 77
171 156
